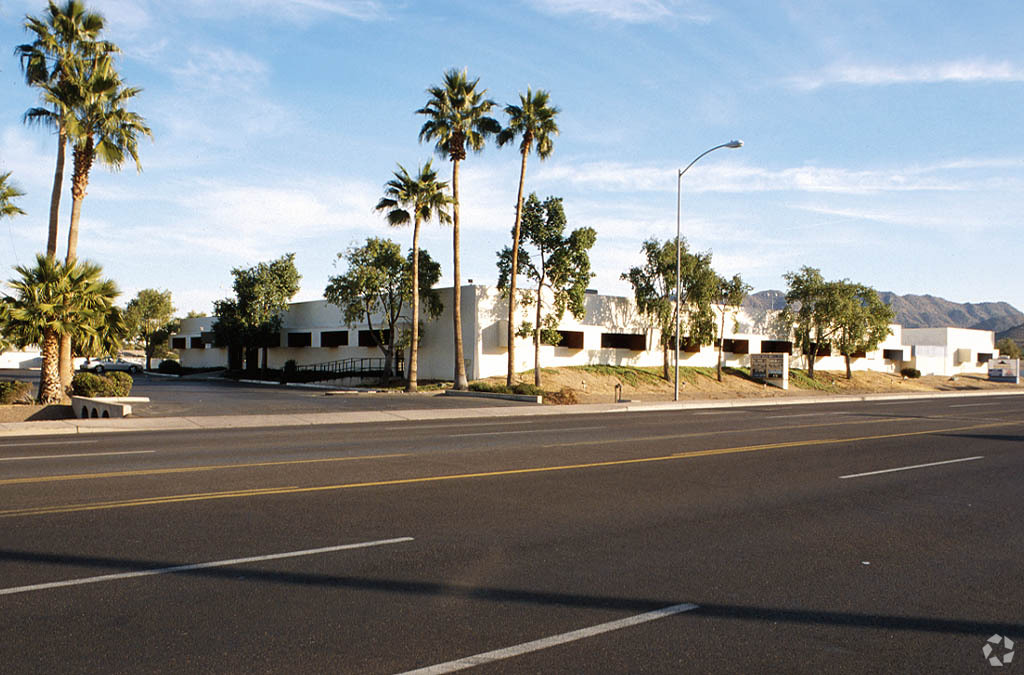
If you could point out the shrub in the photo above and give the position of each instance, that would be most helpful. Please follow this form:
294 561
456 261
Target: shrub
521 388
120 384
910 372
565 396
170 367
92 385
15 391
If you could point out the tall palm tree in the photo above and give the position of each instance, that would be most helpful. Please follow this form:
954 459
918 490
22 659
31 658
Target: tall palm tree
8 193
534 121
53 299
64 34
99 128
457 117
424 197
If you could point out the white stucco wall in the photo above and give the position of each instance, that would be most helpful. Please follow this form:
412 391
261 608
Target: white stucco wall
949 351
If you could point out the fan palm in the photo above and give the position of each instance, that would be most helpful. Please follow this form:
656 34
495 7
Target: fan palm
424 197
533 121
53 299
63 35
457 118
8 193
99 128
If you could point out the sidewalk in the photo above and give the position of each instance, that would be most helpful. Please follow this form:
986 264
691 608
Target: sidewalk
88 426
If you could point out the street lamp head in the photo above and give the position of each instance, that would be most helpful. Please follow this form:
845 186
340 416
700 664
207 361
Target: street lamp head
734 144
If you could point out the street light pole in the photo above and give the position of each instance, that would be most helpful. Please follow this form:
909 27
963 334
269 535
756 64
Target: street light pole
679 252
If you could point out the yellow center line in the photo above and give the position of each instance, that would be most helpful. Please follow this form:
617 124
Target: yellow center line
71 508
719 432
186 469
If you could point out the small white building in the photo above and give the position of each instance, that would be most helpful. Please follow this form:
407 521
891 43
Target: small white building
950 351
612 332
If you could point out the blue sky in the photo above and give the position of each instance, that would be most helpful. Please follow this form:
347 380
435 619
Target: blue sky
882 139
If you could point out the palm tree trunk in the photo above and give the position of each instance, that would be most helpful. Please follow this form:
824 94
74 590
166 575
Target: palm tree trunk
512 277
412 383
50 389
536 334
721 344
460 365
79 182
58 186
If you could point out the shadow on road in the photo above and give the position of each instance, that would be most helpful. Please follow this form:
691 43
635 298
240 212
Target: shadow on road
243 574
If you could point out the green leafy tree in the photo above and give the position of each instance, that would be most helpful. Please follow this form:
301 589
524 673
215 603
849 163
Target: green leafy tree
150 320
8 193
850 315
251 321
378 283
533 121
1008 348
731 293
416 200
807 311
654 289
457 117
861 319
53 299
554 263
65 35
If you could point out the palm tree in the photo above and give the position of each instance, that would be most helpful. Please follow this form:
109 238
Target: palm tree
534 121
99 128
424 197
8 193
456 118
54 299
65 34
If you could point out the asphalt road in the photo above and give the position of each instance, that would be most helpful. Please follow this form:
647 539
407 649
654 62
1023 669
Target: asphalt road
758 540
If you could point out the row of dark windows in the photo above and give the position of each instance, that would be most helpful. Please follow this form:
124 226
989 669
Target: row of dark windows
328 338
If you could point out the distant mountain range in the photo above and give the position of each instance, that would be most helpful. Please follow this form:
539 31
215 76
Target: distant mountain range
922 311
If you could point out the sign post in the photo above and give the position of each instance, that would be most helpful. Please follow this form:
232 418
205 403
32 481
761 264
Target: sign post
1003 369
771 368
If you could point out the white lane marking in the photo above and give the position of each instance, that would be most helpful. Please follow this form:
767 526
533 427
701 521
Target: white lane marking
197 566
814 414
525 431
80 454
975 405
34 443
554 640
915 466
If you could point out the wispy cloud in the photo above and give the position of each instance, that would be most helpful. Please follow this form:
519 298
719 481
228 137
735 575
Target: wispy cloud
628 11
729 177
220 70
975 70
298 10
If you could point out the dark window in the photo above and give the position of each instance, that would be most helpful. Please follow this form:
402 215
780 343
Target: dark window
368 338
689 345
179 343
859 355
776 347
300 339
636 342
196 343
572 339
984 358
892 354
208 338
334 338
824 349
735 346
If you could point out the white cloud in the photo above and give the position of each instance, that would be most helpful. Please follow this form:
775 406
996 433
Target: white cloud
628 11
731 177
299 11
977 70
220 70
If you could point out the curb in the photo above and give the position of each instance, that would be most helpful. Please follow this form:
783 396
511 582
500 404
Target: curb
525 398
142 424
